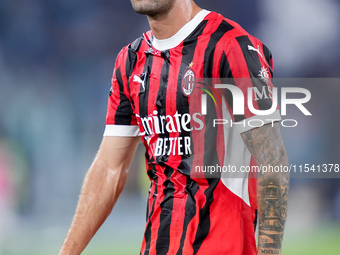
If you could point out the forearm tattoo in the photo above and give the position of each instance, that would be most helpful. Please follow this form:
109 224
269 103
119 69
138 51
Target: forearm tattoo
266 145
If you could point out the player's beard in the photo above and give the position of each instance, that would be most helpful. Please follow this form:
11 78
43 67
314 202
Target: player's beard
152 8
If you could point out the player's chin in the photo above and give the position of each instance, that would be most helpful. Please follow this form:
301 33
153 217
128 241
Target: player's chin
150 7
141 6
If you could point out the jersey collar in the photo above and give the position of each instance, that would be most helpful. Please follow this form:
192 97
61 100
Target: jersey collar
183 33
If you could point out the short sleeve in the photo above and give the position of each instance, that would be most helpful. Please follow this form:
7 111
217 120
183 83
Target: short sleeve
251 70
120 117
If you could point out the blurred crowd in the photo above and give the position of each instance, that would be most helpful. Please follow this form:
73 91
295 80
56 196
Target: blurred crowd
56 61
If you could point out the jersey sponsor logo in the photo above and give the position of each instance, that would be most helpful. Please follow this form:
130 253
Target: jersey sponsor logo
263 93
264 74
162 124
188 81
173 146
255 49
167 124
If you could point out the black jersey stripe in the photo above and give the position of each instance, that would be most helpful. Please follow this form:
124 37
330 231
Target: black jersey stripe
190 209
132 55
131 60
223 28
227 78
124 110
254 66
135 46
144 95
161 100
210 135
204 224
147 234
196 33
210 139
268 55
182 102
148 204
163 238
188 51
144 91
225 71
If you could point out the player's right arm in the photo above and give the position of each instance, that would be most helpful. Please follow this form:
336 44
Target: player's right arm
107 175
103 184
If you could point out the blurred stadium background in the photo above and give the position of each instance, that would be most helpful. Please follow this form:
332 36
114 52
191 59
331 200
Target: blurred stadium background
56 60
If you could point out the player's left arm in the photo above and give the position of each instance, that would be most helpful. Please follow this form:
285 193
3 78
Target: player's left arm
266 145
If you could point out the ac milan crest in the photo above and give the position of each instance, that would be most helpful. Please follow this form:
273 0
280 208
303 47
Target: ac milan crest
188 82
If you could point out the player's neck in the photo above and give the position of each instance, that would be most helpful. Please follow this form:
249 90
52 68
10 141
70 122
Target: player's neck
165 26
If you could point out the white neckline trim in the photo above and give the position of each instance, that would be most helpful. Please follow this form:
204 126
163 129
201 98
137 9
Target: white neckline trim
183 33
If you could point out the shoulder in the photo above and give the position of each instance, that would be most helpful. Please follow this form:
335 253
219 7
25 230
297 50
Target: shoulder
131 48
236 39
141 44
129 55
233 32
220 25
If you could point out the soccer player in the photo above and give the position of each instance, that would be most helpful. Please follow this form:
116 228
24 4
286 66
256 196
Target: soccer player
152 100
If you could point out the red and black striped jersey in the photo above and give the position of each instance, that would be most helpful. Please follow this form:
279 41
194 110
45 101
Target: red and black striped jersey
157 89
